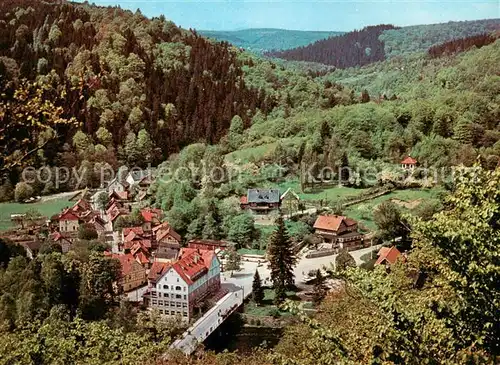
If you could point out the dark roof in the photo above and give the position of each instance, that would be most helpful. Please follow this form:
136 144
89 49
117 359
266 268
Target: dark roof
263 196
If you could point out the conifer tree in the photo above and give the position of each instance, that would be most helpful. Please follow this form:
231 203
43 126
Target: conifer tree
320 289
281 260
257 291
233 262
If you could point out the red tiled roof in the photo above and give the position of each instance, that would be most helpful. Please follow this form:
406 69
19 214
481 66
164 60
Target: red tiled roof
126 261
67 215
129 244
409 161
388 254
157 270
243 200
136 230
81 205
141 258
58 236
151 215
332 222
165 232
164 225
121 195
191 265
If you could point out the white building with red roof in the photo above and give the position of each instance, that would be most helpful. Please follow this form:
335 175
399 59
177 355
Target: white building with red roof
340 231
409 163
177 288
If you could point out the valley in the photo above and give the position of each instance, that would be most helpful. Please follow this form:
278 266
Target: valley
172 195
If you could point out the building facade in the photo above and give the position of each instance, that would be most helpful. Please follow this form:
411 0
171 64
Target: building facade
339 231
177 289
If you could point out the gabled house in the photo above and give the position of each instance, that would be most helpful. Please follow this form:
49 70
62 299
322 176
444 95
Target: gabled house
290 201
121 196
133 274
135 176
117 185
69 222
168 243
62 240
388 256
151 217
176 289
133 235
340 231
261 201
409 163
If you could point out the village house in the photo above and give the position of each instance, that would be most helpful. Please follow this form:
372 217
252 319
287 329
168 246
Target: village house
261 201
62 240
117 185
290 201
339 231
133 274
167 241
177 288
409 163
133 235
69 222
388 256
152 218
137 177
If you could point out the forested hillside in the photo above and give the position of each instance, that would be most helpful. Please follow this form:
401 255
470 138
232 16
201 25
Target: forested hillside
104 87
267 39
378 43
419 38
355 48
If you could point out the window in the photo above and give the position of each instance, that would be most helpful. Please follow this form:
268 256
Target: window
178 287
178 296
172 313
178 304
184 296
184 314
184 305
184 288
160 302
154 302
172 304
165 295
177 279
165 286
161 311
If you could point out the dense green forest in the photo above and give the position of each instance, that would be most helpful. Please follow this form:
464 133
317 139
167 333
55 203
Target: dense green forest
267 39
103 87
373 44
87 86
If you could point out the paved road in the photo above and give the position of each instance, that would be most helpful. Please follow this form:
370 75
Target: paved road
244 278
239 285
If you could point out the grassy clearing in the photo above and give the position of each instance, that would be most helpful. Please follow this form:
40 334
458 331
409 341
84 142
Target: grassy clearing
363 212
251 153
47 209
267 308
326 193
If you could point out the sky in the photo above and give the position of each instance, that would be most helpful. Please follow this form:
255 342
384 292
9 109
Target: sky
327 15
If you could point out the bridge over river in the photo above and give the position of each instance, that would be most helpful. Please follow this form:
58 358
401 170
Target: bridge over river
207 324
239 287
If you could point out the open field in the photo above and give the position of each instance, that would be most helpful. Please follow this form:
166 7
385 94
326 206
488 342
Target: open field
363 212
326 193
47 208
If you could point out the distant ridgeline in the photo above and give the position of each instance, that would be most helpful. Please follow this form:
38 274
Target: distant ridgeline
377 43
261 40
